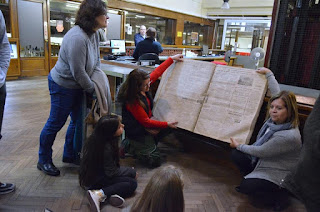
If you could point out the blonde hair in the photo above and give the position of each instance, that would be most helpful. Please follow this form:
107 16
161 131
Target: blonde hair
290 102
164 192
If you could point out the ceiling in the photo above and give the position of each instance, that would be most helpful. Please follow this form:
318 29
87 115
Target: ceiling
239 8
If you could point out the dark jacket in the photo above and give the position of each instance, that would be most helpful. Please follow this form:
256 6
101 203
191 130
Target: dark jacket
132 127
304 181
138 38
148 45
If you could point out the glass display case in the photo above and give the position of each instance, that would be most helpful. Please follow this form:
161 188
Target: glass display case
165 27
5 9
62 19
195 34
244 35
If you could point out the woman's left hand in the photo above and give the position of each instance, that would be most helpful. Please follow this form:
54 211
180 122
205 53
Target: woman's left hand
233 143
177 57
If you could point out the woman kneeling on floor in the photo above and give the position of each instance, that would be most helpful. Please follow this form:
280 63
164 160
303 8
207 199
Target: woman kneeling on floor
100 172
276 151
137 103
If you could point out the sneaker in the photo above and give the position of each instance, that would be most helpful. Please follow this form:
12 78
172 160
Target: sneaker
95 197
116 201
6 188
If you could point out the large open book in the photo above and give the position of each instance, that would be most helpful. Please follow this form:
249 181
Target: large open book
211 100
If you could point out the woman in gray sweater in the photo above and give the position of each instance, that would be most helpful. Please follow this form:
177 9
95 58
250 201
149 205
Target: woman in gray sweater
79 57
276 151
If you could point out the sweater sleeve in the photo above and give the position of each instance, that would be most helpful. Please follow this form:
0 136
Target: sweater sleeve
273 84
275 146
77 54
142 117
160 69
4 51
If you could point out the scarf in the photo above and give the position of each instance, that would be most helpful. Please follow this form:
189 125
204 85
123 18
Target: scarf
264 136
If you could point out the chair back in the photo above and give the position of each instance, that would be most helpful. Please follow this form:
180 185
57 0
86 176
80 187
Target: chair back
150 58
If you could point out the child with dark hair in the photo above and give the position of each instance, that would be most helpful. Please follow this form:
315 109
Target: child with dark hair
100 171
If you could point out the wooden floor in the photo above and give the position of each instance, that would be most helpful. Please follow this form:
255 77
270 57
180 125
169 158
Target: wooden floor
209 176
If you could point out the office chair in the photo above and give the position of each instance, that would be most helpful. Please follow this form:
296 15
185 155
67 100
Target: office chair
149 59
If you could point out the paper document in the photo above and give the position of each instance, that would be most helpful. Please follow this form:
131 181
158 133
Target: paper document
211 100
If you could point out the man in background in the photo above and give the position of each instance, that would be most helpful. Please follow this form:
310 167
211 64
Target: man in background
4 65
140 36
148 45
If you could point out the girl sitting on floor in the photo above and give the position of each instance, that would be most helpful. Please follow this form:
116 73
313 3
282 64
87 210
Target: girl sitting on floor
100 172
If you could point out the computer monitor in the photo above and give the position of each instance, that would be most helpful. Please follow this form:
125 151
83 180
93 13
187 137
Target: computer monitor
121 44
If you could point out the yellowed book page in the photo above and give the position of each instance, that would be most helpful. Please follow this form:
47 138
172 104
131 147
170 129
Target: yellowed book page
182 91
235 96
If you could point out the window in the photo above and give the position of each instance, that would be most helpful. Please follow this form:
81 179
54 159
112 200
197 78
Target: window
5 9
165 27
244 35
62 19
195 34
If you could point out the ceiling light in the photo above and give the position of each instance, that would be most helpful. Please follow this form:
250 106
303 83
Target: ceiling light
225 5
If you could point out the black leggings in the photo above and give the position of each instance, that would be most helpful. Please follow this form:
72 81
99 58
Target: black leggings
256 187
264 189
124 185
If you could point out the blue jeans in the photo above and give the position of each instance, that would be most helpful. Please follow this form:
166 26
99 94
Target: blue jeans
64 102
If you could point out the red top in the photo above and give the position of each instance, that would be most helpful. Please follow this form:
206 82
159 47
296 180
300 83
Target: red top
137 110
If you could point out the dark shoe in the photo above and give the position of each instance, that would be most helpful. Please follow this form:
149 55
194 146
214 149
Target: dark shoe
49 169
116 201
6 188
70 160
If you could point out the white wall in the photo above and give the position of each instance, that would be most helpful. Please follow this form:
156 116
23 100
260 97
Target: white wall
190 7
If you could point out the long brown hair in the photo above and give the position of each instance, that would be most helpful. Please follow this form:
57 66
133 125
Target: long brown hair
93 149
290 102
129 91
164 192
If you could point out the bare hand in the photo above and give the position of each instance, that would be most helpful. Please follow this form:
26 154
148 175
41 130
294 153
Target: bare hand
234 143
173 124
263 70
177 57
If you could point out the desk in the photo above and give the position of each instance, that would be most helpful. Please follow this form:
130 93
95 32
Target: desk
117 72
204 58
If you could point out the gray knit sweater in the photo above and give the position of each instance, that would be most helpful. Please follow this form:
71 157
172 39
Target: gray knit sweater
78 58
279 155
4 51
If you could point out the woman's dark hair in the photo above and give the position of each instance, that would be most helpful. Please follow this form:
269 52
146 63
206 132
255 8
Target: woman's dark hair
130 90
87 13
93 150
